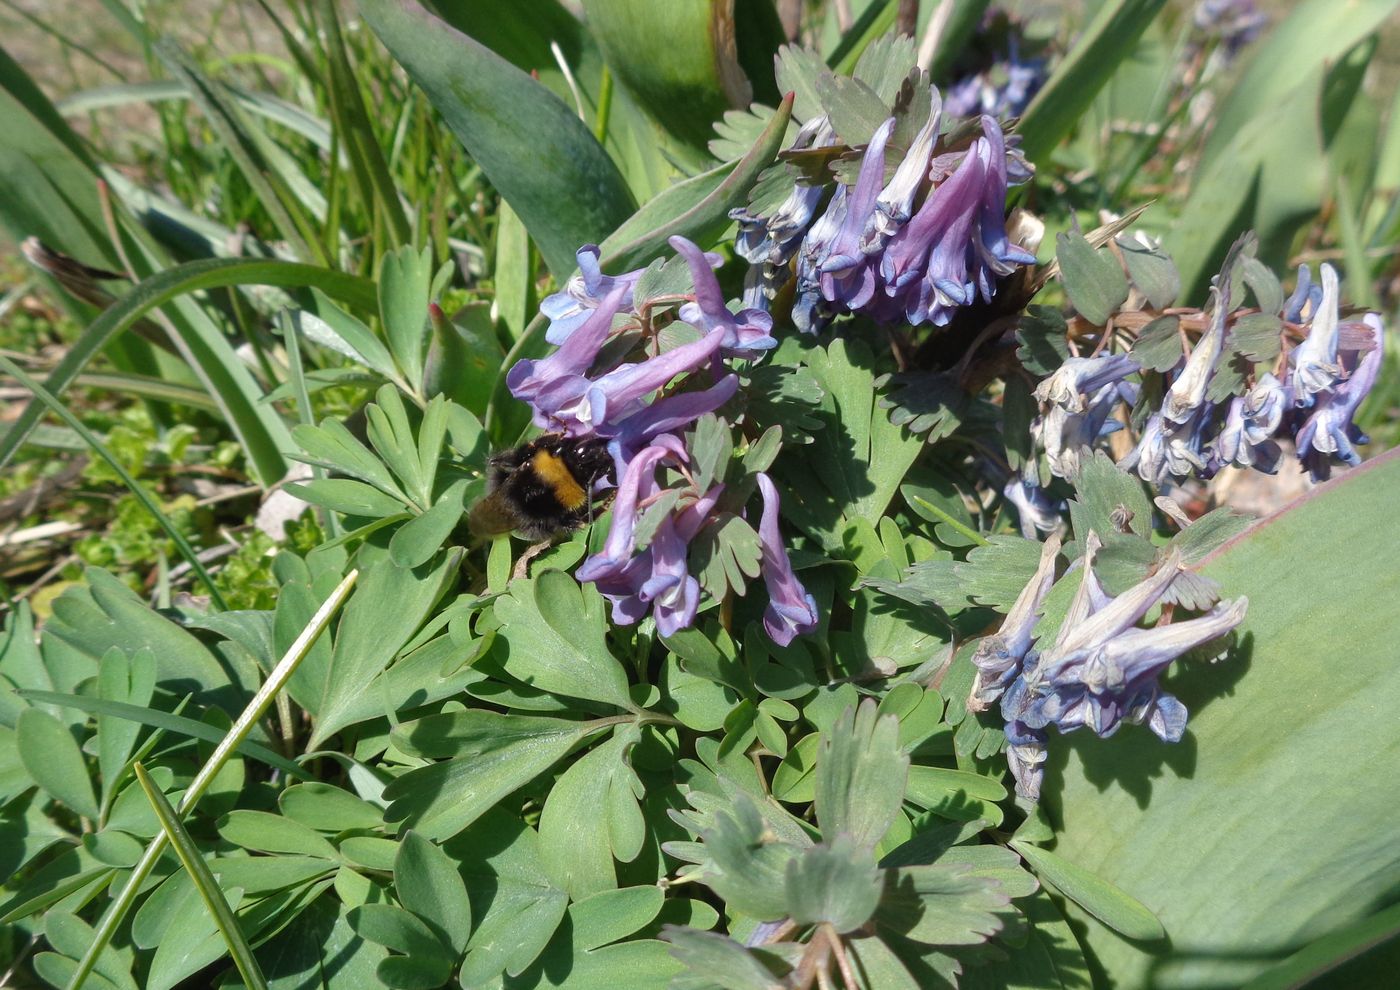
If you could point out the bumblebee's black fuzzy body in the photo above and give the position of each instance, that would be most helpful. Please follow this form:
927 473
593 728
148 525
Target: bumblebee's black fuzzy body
542 487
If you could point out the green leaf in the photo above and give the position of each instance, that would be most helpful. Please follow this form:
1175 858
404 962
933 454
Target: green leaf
1103 44
1359 954
1093 280
161 288
328 808
942 904
699 77
53 760
351 498
429 885
405 278
70 935
610 915
860 776
266 832
1101 491
1041 333
391 604
494 755
718 960
1110 905
553 635
1151 271
427 964
417 540
698 208
119 907
126 680
166 721
1158 345
1256 337
836 883
1333 861
576 841
571 196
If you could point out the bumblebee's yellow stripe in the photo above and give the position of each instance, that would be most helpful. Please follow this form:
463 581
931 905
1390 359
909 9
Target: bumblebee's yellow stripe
555 473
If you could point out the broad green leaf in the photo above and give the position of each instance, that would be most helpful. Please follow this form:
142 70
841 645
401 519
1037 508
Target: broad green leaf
860 776
532 147
1093 280
494 755
328 808
429 885
71 935
1050 959
318 948
128 680
391 604
53 760
417 540
718 960
698 78
1103 44
1255 805
552 637
942 904
576 840
610 915
1110 905
405 278
1360 954
270 833
836 883
351 498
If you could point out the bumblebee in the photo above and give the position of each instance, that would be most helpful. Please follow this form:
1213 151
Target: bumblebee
542 487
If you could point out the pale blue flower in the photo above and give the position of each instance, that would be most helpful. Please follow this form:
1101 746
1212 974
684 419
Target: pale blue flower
1329 431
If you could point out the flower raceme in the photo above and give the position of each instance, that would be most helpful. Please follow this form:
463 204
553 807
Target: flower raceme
913 249
1310 398
1100 671
592 388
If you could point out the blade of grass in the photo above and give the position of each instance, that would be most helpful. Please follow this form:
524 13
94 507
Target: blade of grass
142 496
204 882
212 273
122 903
361 145
1109 38
243 147
167 721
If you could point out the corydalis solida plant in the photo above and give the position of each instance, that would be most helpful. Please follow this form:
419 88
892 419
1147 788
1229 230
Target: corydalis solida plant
646 410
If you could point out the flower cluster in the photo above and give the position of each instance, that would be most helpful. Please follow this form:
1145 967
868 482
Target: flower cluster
1235 22
1100 671
1309 398
589 389
911 249
1001 79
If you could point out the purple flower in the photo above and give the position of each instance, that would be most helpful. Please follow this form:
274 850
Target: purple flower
528 378
1102 670
999 657
1314 361
580 406
771 241
569 308
1038 512
1329 430
791 609
1077 403
1247 436
895 204
745 334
